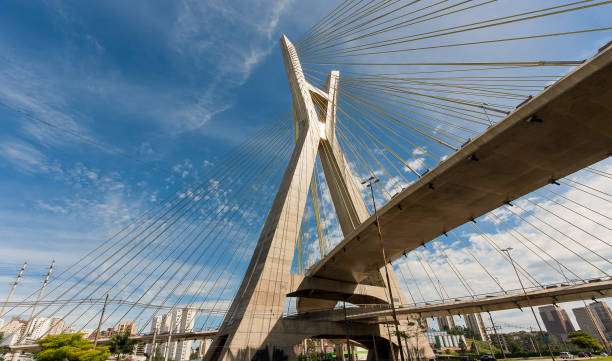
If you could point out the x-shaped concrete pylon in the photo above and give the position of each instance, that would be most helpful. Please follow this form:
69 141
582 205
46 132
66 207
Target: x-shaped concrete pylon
348 203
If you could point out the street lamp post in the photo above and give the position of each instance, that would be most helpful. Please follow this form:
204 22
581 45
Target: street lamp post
507 251
370 183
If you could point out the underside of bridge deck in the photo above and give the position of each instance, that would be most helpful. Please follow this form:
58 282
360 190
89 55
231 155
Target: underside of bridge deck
560 131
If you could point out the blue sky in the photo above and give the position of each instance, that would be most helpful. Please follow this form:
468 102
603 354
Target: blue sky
156 91
173 85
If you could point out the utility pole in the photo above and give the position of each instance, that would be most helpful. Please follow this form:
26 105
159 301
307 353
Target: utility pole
8 298
535 346
507 251
153 343
100 322
501 346
375 351
370 183
348 342
169 338
42 289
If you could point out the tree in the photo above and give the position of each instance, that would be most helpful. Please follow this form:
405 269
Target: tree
462 346
513 344
120 344
70 347
3 349
455 331
584 340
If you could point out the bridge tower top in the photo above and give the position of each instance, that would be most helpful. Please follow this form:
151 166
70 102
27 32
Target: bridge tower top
306 96
345 194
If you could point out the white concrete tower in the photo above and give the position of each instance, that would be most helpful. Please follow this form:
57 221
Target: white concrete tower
253 327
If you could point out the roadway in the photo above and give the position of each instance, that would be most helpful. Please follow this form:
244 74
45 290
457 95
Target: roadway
561 130
514 299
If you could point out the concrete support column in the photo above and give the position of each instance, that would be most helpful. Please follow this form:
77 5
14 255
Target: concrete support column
339 352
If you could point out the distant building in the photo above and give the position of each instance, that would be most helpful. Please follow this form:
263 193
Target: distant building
139 349
2 323
205 345
129 327
590 323
442 340
16 326
9 339
476 326
176 321
70 331
446 323
604 314
109 332
556 320
86 332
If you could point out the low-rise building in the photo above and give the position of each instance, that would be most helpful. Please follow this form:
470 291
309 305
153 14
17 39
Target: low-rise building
442 340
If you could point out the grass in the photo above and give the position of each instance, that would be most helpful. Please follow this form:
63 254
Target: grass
594 358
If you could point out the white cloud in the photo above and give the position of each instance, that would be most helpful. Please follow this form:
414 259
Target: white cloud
26 158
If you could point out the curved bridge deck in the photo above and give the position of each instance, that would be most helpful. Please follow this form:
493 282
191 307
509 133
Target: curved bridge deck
560 131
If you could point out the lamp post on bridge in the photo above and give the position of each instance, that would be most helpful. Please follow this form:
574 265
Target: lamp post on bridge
507 251
370 184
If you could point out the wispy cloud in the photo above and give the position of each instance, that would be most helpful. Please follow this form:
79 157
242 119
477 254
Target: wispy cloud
26 158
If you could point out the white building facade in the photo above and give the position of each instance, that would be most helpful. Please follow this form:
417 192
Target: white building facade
176 321
41 327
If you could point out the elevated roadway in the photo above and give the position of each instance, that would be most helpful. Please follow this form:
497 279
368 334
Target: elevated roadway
565 128
592 289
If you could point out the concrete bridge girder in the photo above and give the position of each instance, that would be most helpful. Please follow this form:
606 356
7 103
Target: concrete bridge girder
321 294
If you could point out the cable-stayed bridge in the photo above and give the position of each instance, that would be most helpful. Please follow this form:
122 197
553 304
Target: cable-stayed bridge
472 157
516 299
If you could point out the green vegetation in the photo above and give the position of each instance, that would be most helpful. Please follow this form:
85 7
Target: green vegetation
158 355
584 340
462 346
455 331
120 344
5 349
482 347
71 347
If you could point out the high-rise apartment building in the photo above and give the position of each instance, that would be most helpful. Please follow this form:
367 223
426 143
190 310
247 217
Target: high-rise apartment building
476 326
589 323
556 320
604 314
446 323
16 326
176 321
596 320
41 327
